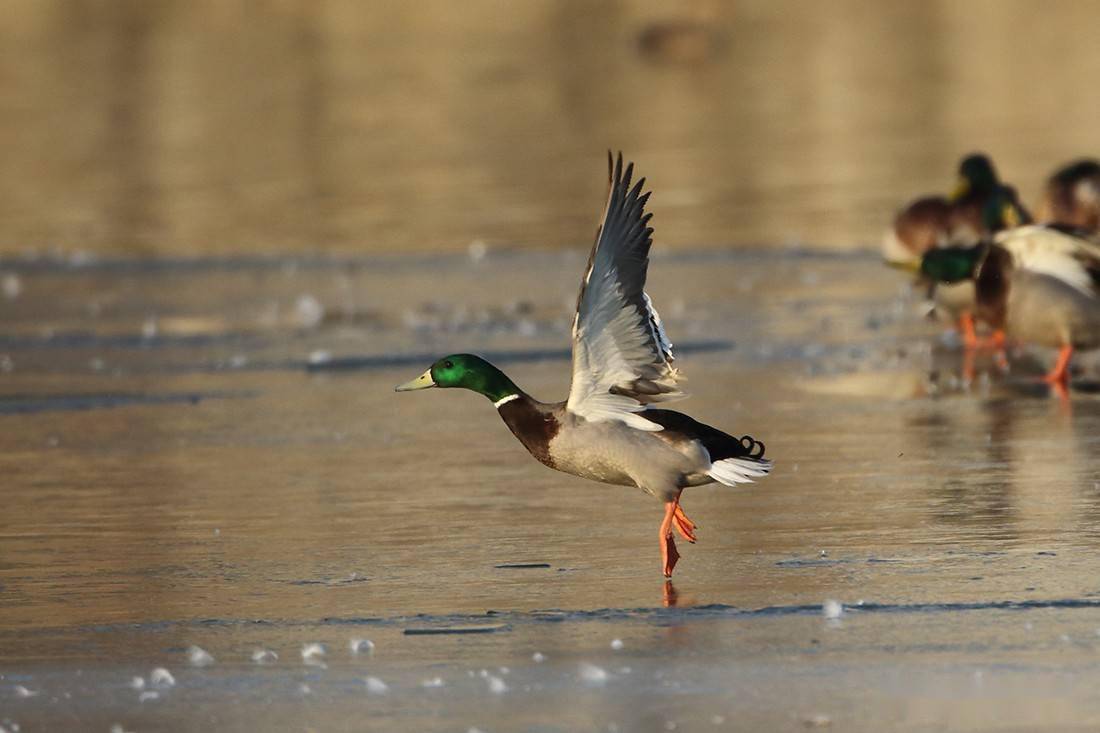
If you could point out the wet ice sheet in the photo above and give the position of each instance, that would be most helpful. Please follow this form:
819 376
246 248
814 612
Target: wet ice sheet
303 504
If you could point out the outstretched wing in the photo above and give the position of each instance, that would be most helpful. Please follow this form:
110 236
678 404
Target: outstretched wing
1050 251
622 359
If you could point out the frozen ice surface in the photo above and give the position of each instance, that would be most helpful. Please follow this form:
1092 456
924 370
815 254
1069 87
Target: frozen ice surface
199 657
148 695
497 686
433 682
264 656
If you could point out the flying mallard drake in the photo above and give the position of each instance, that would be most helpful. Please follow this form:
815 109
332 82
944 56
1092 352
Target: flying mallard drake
1040 284
1072 196
608 430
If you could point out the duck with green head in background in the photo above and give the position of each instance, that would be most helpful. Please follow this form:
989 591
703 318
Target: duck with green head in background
1071 196
1038 284
963 218
609 429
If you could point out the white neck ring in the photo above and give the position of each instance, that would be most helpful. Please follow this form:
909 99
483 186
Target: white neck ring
504 400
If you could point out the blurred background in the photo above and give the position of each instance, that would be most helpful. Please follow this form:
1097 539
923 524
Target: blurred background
299 127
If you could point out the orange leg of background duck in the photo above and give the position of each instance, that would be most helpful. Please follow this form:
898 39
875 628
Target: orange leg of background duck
1059 375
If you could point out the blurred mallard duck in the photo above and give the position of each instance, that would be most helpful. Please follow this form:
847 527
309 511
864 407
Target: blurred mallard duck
937 222
1040 284
608 429
1072 196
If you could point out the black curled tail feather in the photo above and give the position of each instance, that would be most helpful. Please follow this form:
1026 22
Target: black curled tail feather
753 447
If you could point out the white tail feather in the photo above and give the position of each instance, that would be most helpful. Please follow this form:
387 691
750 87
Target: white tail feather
730 471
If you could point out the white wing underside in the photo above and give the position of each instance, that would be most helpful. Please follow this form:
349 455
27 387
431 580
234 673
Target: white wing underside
622 358
1051 252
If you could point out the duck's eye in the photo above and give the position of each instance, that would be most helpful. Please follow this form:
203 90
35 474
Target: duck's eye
448 365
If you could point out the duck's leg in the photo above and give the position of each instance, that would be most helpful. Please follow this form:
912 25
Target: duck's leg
1059 375
967 331
669 555
683 525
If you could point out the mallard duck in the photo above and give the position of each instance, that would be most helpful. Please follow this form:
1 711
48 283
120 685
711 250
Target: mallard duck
608 429
1072 196
1040 284
933 222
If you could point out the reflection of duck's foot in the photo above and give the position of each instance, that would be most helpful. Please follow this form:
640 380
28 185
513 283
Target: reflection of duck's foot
670 595
669 555
683 525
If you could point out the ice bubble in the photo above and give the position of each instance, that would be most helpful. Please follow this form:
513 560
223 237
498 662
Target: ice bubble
503 670
6 364
117 728
312 654
477 250
148 695
718 719
539 657
376 686
670 725
832 609
308 311
161 678
592 675
264 656
304 689
616 644
149 328
199 657
361 646
21 691
319 356
497 686
817 720
10 285
137 683
433 682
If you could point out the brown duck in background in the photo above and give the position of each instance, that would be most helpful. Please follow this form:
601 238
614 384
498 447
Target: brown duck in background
1072 196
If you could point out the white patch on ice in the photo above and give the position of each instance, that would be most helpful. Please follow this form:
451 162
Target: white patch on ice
616 644
161 678
503 670
199 657
592 675
361 646
319 356
817 720
376 686
718 719
308 311
832 609
148 695
264 656
313 653
10 285
149 328
304 689
21 691
433 682
137 683
477 250
497 686
539 657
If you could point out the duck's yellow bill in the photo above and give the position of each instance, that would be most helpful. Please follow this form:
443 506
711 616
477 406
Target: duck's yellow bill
962 187
907 265
422 382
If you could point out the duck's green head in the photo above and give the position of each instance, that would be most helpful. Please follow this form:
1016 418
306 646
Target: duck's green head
976 174
1003 210
465 371
951 264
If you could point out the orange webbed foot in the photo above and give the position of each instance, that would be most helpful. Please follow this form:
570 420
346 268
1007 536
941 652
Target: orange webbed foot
683 525
669 555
